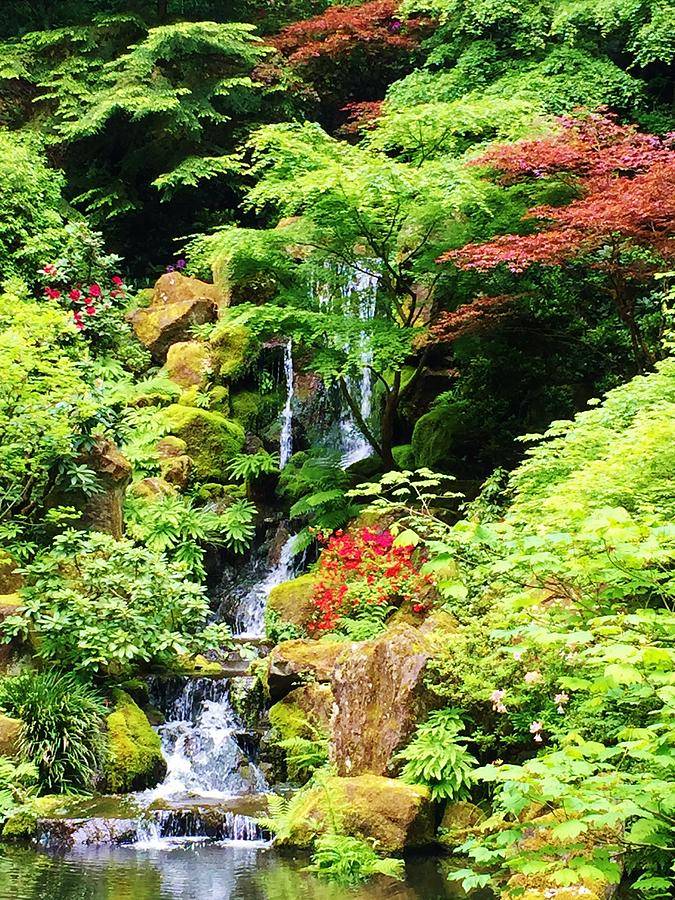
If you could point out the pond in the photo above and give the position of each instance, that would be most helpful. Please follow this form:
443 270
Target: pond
196 871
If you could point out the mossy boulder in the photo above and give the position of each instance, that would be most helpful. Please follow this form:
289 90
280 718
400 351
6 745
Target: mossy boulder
234 349
435 436
398 816
178 303
135 760
304 713
380 697
151 487
10 580
255 411
459 818
292 662
188 363
211 440
292 602
10 736
404 456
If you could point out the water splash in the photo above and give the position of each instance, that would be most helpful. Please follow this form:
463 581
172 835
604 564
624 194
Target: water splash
250 616
286 438
166 829
202 744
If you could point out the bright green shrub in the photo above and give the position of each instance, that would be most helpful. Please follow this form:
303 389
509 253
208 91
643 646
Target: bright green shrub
62 727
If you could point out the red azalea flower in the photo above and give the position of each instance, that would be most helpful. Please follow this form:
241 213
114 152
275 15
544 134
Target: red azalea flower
75 294
94 290
116 279
49 269
90 310
52 293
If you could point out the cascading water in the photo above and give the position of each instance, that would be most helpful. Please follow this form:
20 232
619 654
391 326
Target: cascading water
286 439
249 617
200 743
353 444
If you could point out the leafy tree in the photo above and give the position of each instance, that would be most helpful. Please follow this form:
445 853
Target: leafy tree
104 606
621 223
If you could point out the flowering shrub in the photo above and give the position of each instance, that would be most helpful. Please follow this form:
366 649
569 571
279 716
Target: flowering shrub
365 568
86 302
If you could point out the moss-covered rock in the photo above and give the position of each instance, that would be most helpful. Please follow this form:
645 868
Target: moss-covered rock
404 456
211 440
380 697
304 713
10 736
10 580
188 363
292 602
199 666
435 436
178 303
255 411
458 819
291 662
151 487
234 349
398 816
135 760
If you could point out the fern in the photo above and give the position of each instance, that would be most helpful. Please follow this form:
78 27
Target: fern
304 756
436 759
349 861
249 466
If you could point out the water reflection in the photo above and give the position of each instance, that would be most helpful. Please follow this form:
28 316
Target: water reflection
195 872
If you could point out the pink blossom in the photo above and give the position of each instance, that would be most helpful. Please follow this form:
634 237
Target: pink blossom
496 698
533 677
535 729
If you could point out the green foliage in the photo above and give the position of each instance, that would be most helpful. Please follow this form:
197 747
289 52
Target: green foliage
95 604
173 525
304 756
249 466
17 785
346 860
62 727
436 758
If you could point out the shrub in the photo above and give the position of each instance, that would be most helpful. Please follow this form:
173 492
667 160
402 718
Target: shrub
350 861
62 726
97 604
436 759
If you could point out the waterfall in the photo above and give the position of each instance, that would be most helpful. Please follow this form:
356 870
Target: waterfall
249 618
286 439
353 444
202 744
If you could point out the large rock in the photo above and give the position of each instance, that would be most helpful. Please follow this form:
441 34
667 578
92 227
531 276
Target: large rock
292 603
436 435
104 511
304 713
234 349
211 440
10 736
292 662
188 363
380 697
135 760
398 816
10 580
177 304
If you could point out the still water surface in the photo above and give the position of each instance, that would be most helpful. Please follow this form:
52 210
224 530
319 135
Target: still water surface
195 872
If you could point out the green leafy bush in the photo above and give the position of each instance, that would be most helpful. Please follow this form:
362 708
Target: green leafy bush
248 466
101 605
350 861
62 727
17 785
436 758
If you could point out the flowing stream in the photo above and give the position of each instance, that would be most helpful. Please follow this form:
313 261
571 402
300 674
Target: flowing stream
286 438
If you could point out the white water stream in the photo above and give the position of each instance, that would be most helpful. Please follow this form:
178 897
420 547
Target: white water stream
286 438
250 617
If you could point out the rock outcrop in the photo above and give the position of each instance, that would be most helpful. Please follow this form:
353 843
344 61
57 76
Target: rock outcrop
135 760
291 602
291 662
188 363
10 736
104 510
177 304
380 697
211 440
398 816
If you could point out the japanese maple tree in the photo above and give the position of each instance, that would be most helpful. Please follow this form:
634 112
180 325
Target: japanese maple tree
621 222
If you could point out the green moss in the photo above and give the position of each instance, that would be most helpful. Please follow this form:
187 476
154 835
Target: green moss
210 438
21 825
255 411
199 665
234 349
395 814
188 363
135 759
10 736
304 713
292 602
434 436
404 456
